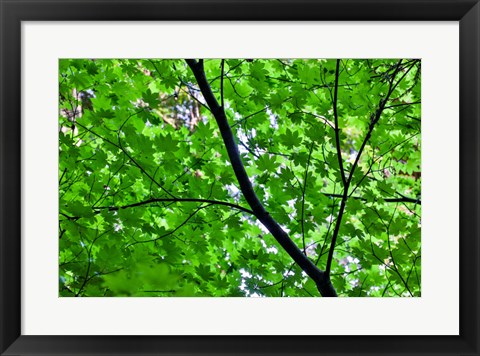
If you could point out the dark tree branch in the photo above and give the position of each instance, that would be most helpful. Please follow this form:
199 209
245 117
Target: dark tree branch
337 129
221 84
326 235
373 121
172 231
158 200
61 177
402 198
395 267
248 149
89 259
303 198
249 116
402 104
322 281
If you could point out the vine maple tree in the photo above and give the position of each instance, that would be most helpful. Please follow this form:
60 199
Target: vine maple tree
239 177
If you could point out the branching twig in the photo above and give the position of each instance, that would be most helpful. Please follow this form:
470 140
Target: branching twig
303 197
157 200
373 120
387 200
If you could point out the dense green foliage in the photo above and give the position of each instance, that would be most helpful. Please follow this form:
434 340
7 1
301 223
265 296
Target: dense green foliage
150 204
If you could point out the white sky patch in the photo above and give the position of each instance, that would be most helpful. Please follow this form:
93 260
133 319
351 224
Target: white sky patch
279 169
271 249
286 229
91 92
243 137
266 193
243 285
263 228
242 149
291 203
233 191
117 227
245 274
353 259
311 250
353 155
348 261
273 119
237 116
329 219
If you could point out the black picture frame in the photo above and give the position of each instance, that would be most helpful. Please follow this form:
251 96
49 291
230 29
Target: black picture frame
13 12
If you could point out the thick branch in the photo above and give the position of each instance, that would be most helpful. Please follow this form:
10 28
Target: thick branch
337 129
321 279
221 83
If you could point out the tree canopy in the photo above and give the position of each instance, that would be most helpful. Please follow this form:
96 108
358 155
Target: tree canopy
239 177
